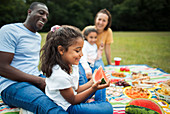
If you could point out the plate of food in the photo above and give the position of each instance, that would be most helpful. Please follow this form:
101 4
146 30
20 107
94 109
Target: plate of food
163 93
144 83
136 92
118 74
140 76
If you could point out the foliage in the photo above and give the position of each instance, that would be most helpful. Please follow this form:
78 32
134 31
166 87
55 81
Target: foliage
12 11
142 15
128 15
69 12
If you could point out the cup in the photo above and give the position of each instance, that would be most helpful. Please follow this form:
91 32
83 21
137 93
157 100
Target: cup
117 60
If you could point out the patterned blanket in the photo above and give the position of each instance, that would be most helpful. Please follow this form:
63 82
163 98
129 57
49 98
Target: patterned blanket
5 109
120 101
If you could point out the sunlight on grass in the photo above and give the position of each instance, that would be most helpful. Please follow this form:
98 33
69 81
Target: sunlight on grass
151 48
43 35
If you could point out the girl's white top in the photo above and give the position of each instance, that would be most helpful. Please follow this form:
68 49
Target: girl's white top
59 80
89 54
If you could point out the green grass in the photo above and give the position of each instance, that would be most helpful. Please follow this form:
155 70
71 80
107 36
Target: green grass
151 48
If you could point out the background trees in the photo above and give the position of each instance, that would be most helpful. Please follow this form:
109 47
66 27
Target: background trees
128 15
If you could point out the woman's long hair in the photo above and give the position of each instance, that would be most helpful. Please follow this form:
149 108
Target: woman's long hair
64 36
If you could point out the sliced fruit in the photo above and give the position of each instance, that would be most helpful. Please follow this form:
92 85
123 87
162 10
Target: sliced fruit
127 69
145 106
122 69
100 75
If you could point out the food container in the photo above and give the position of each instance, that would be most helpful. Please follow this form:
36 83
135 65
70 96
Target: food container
136 95
161 96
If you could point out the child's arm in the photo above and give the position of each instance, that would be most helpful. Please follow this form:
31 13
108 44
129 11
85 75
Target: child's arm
84 62
100 51
85 86
68 94
87 69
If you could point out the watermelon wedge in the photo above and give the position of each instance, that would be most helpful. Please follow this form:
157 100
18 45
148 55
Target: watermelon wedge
100 75
144 106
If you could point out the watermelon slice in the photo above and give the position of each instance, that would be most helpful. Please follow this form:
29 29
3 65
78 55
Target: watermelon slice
100 75
146 106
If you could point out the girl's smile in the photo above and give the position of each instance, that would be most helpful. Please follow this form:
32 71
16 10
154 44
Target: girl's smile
92 38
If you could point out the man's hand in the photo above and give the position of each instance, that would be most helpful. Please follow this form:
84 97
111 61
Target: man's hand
41 84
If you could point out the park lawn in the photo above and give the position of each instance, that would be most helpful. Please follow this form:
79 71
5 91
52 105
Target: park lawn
151 48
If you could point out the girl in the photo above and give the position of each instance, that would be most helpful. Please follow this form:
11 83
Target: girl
90 52
88 62
61 54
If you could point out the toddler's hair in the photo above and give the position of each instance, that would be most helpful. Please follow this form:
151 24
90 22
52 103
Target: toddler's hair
65 36
88 31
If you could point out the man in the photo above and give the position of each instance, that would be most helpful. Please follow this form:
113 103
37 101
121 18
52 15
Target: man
20 79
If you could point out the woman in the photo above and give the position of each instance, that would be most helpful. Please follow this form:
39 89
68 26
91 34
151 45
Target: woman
103 22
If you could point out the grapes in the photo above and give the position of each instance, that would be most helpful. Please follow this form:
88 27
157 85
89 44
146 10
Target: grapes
122 83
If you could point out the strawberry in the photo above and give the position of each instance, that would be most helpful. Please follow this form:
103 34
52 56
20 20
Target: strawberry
122 69
127 69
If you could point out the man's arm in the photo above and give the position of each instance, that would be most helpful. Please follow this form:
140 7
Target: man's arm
7 71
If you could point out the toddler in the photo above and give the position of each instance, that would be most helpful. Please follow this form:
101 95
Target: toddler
90 52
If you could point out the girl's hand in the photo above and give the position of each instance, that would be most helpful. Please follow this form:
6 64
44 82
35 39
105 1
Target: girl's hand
91 82
101 47
97 86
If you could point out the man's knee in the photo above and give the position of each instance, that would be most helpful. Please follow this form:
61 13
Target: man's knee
46 106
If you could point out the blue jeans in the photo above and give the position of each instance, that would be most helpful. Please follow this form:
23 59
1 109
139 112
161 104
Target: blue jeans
96 107
31 98
100 95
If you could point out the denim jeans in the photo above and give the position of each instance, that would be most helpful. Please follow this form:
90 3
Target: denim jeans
95 107
27 96
100 95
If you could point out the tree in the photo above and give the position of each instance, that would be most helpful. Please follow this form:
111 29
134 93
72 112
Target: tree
142 15
138 15
12 11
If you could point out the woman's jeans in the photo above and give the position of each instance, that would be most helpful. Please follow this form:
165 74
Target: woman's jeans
95 107
27 96
100 95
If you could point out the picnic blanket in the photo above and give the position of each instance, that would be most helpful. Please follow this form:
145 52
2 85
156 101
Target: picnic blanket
119 103
5 109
